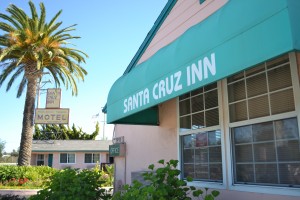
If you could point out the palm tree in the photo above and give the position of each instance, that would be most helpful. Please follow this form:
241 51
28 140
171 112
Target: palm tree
30 47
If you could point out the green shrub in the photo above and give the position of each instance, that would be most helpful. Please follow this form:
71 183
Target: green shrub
163 184
31 176
106 175
73 184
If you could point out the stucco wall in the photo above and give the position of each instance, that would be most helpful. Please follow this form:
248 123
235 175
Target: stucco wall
79 160
146 145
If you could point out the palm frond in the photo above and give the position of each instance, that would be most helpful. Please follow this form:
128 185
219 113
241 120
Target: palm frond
42 17
8 68
9 19
54 19
14 77
22 85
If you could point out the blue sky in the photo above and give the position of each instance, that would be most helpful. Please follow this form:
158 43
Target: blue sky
111 31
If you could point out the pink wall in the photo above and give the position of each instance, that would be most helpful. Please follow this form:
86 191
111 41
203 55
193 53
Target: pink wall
146 145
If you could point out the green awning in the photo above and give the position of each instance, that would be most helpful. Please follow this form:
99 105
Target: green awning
239 35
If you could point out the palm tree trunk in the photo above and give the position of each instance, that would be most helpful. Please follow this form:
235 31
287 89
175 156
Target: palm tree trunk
28 123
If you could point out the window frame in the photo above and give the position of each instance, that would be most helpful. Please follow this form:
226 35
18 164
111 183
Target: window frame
37 159
67 158
92 158
203 183
228 136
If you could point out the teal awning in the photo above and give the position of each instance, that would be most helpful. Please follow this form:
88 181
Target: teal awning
239 35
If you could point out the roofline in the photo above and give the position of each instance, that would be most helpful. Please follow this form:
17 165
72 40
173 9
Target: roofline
157 24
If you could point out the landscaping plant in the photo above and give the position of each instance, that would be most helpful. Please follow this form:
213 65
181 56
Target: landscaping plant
163 184
24 176
73 184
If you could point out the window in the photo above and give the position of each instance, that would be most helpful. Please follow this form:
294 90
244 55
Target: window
91 158
200 134
67 158
267 153
263 126
261 91
40 159
199 108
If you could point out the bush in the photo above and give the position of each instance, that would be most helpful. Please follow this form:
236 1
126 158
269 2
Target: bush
30 176
73 184
163 184
106 175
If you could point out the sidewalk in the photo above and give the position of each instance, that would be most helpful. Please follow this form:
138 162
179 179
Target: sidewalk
23 193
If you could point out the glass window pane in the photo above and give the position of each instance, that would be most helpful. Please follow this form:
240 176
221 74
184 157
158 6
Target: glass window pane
243 153
198 120
236 77
255 70
96 158
189 141
211 99
238 111
188 156
201 171
282 101
71 158
215 172
244 173
290 174
288 150
63 158
259 107
242 134
201 155
184 96
197 91
185 123
236 91
266 173
201 140
184 107
211 86
188 170
197 103
287 129
280 78
88 158
215 154
263 131
214 137
256 85
264 152
278 61
40 156
212 117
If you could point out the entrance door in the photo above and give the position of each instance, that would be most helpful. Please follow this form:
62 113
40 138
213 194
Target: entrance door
50 160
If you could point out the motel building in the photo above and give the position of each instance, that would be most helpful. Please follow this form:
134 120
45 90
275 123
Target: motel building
215 85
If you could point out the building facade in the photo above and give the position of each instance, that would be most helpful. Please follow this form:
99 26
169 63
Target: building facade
219 91
60 154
